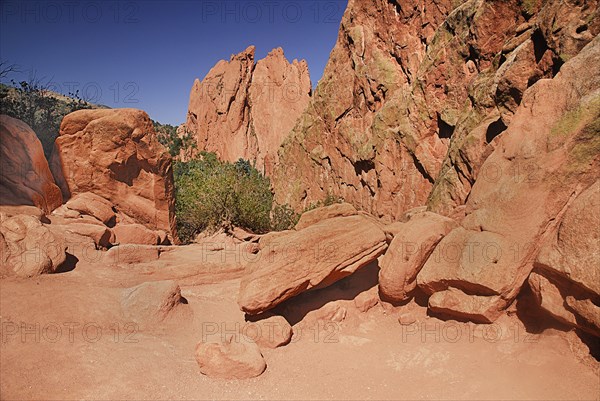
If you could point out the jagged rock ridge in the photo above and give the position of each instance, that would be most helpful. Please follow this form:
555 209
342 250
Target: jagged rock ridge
414 94
243 109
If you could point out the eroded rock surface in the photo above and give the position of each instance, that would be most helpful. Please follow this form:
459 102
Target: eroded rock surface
414 94
25 178
315 257
28 248
243 109
230 359
115 155
544 161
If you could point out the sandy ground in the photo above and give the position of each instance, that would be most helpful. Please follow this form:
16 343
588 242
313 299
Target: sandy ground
65 336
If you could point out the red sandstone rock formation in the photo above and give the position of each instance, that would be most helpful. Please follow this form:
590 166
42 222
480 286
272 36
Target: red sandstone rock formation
536 181
414 94
115 154
243 109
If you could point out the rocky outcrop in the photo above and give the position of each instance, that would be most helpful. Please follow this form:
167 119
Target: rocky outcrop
414 94
314 257
542 164
25 177
28 248
230 359
115 155
135 234
566 277
243 109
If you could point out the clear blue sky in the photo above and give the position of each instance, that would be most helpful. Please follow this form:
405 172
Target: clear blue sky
146 54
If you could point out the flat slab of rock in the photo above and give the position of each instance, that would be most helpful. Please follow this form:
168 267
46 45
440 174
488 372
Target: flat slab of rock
314 257
93 205
102 236
10 211
135 234
230 359
323 213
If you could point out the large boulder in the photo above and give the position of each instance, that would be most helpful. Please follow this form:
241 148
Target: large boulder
230 359
243 109
314 257
25 178
408 252
114 153
566 277
546 158
28 248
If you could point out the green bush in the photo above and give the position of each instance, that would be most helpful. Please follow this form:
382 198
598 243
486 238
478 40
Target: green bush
43 110
283 217
329 200
211 194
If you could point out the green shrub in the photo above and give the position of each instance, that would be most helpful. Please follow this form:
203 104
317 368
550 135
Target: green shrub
329 200
211 194
283 217
43 110
183 145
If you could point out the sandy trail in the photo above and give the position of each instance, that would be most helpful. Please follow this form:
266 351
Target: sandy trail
64 336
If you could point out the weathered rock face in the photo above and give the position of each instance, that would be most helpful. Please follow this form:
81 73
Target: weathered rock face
566 278
314 257
135 234
115 155
541 167
90 204
245 110
25 177
415 92
323 213
553 33
28 248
